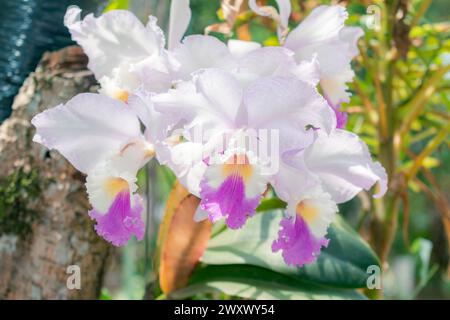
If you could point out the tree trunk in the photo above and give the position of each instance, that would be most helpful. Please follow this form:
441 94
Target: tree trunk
44 226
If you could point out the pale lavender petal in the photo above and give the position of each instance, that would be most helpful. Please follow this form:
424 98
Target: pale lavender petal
343 163
295 105
114 38
87 129
198 52
297 243
180 16
121 221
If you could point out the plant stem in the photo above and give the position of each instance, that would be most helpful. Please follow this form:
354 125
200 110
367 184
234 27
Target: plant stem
431 146
388 155
417 103
420 12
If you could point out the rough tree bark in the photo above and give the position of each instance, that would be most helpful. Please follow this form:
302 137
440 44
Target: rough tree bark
44 226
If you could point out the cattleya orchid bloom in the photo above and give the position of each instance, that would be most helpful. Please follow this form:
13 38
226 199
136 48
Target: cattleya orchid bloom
123 53
323 34
101 137
100 134
330 171
303 230
211 111
218 105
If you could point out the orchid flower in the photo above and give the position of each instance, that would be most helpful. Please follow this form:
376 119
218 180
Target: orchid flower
123 53
228 177
242 58
330 171
101 137
247 60
208 110
323 33
303 231
101 134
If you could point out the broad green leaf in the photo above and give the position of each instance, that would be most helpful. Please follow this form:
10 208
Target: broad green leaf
271 204
343 264
117 4
252 282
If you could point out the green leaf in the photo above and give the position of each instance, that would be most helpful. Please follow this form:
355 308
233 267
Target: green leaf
271 204
116 5
252 282
343 264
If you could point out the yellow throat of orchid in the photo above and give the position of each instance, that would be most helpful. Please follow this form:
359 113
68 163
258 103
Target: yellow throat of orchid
115 185
238 165
307 212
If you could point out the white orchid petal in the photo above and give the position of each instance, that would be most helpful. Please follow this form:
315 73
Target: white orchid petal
114 174
284 9
199 52
307 70
289 106
321 25
239 48
335 87
323 34
317 209
351 35
87 129
291 182
114 38
266 61
343 163
180 16
211 100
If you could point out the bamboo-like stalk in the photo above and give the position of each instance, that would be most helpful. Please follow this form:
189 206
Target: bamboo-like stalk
417 103
431 146
420 12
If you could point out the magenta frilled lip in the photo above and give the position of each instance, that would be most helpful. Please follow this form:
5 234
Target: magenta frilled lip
297 243
228 201
121 221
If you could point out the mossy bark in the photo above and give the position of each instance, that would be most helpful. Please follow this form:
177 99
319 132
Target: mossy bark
44 226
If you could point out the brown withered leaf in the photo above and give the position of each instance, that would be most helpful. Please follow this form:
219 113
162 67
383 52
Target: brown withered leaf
181 240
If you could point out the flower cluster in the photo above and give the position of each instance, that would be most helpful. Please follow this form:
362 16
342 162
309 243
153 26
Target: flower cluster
231 120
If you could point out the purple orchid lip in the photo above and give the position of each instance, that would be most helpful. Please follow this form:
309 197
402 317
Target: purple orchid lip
297 243
121 221
229 200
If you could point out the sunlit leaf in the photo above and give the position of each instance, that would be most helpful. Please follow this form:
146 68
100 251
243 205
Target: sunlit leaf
258 283
343 264
271 204
116 5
